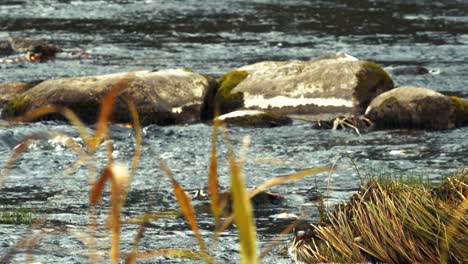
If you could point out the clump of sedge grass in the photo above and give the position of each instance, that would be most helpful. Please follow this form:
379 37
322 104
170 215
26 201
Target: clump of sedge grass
393 223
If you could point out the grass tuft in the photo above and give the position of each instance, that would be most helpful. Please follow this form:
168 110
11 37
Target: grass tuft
393 223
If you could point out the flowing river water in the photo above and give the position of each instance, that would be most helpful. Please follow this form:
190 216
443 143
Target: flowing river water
213 37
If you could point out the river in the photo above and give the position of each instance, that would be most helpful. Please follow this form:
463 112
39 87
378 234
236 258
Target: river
213 37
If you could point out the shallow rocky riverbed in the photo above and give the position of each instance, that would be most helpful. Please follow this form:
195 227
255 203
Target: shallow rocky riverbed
214 37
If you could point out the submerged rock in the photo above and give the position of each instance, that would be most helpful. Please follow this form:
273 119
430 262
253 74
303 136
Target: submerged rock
409 70
163 97
412 107
263 199
39 48
255 118
340 84
18 50
5 48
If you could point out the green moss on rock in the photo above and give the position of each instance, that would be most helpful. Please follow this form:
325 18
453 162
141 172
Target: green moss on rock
372 81
460 114
225 99
231 79
18 106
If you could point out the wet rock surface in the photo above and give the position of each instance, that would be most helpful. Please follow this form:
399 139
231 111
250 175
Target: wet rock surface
163 97
8 91
307 87
411 107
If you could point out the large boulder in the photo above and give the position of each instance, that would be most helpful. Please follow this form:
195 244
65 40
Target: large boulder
412 107
409 70
162 97
338 84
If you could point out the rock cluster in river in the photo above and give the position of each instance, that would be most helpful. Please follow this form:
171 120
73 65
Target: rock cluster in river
263 94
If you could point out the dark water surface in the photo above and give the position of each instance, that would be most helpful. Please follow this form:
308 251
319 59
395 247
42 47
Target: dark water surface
213 37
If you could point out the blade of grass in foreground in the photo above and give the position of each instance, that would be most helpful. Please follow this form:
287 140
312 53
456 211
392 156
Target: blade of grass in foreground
118 176
293 177
277 181
107 106
17 152
187 209
243 213
176 253
51 109
138 137
213 179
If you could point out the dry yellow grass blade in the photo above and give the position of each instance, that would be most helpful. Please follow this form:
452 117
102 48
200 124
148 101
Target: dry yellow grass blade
107 105
459 215
176 253
109 149
17 152
277 161
142 219
277 181
51 109
23 146
138 137
243 213
213 183
119 180
293 177
186 206
98 187
284 232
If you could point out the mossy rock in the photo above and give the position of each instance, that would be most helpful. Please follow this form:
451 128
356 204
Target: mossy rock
460 115
225 100
18 106
292 85
412 108
10 90
253 118
163 97
372 80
